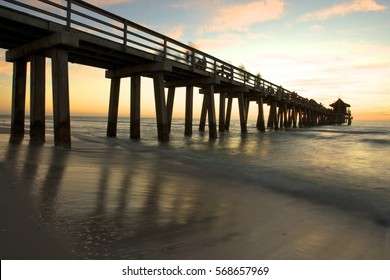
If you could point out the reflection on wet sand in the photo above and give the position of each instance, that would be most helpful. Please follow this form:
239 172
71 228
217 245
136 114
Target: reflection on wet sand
137 201
140 213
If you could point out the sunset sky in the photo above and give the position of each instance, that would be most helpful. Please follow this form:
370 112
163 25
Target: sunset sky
323 50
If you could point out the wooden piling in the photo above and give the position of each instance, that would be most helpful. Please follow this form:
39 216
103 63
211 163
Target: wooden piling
285 115
270 121
242 112
161 108
300 116
170 101
275 116
113 107
61 112
135 107
260 116
309 117
247 104
222 105
228 113
294 116
37 99
18 100
304 117
203 114
189 110
211 111
288 116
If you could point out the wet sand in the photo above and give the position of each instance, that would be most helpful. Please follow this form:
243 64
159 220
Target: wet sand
106 201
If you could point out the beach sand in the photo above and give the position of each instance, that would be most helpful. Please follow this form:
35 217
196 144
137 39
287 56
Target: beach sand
106 201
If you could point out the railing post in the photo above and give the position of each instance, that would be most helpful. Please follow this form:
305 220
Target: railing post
193 59
125 34
68 14
165 47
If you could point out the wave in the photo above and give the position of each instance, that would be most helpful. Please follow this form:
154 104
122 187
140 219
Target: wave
385 142
373 204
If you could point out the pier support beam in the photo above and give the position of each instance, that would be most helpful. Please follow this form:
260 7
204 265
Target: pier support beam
37 99
135 107
285 115
281 115
275 116
189 110
211 111
18 100
161 108
228 113
309 117
247 104
170 101
208 109
113 107
203 114
270 116
222 104
294 116
300 124
305 117
242 111
260 117
61 112
273 119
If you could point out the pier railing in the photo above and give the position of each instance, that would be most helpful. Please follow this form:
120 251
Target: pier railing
88 18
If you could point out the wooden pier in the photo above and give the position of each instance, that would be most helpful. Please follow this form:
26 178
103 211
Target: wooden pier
78 32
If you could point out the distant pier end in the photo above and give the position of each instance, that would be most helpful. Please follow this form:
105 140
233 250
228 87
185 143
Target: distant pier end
340 113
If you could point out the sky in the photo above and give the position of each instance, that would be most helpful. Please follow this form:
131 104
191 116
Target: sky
323 50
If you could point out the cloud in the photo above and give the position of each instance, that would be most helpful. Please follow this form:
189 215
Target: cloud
223 41
238 17
344 9
223 16
229 45
197 4
315 28
176 32
259 36
358 71
100 3
106 3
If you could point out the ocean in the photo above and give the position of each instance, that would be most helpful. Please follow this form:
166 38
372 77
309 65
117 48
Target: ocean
194 197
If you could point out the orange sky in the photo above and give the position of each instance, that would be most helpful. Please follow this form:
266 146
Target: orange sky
89 95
